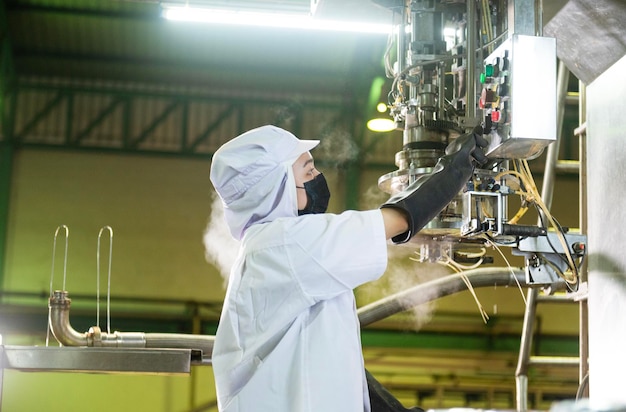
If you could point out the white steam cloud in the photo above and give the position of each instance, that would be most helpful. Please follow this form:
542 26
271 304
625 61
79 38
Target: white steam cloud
220 247
404 273
337 147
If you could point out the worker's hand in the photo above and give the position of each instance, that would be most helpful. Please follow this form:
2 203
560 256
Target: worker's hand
470 145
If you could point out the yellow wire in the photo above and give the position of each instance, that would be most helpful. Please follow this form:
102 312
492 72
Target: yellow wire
459 269
509 266
533 196
559 234
521 212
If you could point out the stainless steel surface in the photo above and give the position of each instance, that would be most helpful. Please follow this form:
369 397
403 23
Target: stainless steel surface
554 360
544 244
606 171
521 373
590 34
491 203
568 166
470 94
59 322
547 190
553 150
582 183
97 360
522 18
109 229
437 288
528 107
521 389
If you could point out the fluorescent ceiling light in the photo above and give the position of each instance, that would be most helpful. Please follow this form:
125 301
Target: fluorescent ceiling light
268 19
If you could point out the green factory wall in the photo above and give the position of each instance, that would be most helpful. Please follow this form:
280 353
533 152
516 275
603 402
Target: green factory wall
56 391
157 208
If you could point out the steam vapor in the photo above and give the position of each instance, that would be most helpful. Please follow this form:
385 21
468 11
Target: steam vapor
219 245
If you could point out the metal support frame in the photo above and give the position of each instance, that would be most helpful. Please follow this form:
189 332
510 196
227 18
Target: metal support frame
145 133
121 124
115 102
525 359
583 305
230 109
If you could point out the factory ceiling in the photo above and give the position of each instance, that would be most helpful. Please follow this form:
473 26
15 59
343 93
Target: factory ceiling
130 41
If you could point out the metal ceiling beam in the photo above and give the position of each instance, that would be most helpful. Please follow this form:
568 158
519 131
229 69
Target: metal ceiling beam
41 114
39 126
134 143
115 102
223 115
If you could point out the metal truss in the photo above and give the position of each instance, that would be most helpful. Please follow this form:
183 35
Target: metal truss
153 121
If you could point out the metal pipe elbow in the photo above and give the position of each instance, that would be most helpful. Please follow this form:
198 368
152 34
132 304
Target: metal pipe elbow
59 321
59 305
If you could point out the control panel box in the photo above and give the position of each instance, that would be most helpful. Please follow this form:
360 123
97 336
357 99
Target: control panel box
518 97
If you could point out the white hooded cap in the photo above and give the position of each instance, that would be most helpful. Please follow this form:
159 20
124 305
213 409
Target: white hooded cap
252 175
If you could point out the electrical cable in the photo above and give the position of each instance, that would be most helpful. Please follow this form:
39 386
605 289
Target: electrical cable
508 265
560 234
548 238
458 268
533 197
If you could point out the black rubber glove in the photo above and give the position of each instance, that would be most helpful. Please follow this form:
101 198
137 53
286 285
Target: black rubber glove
423 199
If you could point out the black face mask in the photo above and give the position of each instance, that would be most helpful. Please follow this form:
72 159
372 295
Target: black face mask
317 195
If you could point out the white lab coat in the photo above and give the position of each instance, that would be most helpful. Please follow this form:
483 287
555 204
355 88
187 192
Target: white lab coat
289 336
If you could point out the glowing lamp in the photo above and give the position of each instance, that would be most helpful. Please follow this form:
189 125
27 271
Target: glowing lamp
381 124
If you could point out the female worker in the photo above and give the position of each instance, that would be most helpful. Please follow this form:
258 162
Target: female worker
289 338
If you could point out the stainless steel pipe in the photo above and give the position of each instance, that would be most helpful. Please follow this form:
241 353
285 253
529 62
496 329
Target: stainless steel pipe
434 289
59 319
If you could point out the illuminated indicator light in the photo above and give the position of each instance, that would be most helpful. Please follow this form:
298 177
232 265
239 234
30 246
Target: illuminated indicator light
482 77
489 70
495 116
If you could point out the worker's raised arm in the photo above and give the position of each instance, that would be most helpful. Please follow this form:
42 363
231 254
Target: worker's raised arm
423 199
396 222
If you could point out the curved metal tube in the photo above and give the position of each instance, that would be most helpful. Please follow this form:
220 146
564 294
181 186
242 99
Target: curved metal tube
437 288
59 316
68 336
